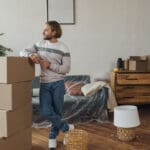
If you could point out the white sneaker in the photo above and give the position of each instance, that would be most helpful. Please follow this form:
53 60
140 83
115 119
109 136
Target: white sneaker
52 143
71 127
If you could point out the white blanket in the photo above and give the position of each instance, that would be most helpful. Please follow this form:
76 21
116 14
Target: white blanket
91 88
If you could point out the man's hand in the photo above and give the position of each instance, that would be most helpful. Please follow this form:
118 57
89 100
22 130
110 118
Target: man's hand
45 64
35 58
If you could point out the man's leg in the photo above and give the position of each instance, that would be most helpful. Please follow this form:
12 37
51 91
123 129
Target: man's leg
47 109
58 99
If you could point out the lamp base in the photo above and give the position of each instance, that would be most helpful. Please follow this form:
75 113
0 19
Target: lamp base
126 134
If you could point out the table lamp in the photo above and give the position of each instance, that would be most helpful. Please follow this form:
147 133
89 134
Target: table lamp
126 119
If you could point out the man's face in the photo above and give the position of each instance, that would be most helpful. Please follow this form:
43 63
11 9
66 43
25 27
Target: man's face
47 32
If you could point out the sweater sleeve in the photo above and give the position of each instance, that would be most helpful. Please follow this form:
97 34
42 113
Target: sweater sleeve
64 67
29 51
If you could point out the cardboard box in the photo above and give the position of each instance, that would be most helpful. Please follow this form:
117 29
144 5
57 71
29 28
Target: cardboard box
12 122
135 57
20 141
138 65
15 95
16 69
138 58
126 64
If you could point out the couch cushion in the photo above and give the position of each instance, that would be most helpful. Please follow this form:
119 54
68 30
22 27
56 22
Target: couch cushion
81 78
74 88
36 82
35 92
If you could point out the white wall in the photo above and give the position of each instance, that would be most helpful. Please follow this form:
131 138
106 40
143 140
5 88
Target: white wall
104 30
22 21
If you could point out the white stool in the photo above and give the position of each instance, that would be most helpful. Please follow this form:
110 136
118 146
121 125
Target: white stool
126 118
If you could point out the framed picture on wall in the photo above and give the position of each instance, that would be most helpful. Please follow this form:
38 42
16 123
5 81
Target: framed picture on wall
62 11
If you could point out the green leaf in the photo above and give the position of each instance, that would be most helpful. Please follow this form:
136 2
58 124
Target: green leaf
4 49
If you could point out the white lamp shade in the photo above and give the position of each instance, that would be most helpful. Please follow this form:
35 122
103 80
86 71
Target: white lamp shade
126 116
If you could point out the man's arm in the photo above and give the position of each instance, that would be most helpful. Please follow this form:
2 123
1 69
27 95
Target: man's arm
64 67
31 53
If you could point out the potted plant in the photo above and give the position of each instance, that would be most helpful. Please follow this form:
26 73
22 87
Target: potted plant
3 49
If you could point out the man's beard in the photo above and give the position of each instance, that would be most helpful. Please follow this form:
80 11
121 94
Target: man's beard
47 38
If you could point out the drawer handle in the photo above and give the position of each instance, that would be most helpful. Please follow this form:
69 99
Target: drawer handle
129 87
131 78
146 94
128 97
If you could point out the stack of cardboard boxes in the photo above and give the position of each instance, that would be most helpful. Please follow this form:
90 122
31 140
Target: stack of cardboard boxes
137 64
16 74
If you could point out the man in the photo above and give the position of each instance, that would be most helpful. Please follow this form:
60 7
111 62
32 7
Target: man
54 59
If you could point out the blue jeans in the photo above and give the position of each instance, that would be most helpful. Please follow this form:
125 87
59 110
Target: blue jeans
51 104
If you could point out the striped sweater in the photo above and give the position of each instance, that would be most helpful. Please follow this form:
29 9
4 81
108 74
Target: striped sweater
57 54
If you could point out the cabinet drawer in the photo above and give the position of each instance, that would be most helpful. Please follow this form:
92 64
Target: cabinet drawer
132 78
134 100
131 91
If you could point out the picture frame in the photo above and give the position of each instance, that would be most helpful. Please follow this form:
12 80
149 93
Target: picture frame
62 11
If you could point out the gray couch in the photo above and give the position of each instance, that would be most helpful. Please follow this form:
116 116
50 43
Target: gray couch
78 108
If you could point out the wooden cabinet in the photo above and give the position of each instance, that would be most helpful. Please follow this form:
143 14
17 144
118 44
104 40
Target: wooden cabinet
131 87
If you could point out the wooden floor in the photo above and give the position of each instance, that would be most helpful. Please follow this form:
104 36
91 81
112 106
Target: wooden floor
103 136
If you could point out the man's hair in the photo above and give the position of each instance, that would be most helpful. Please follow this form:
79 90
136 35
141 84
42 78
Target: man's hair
55 26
